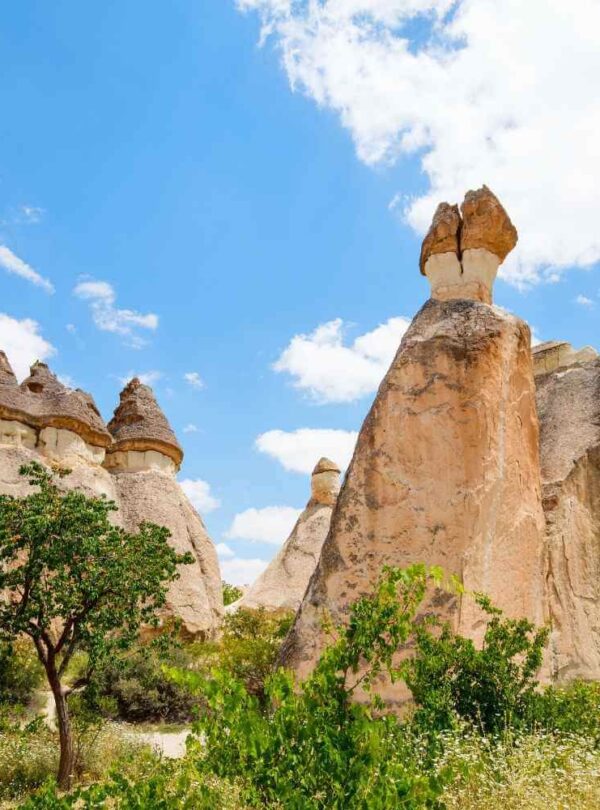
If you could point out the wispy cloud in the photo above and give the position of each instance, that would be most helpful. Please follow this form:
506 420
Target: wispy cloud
271 524
191 428
332 371
194 379
108 317
584 301
200 495
299 450
13 264
31 214
23 343
418 79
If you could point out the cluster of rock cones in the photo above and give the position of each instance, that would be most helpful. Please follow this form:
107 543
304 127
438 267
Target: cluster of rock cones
477 455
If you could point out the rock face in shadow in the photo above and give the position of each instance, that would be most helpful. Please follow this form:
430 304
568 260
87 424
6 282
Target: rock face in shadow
568 397
134 464
445 472
283 584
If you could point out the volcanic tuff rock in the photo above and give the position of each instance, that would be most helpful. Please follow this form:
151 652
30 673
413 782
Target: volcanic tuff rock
568 399
461 256
284 582
144 459
43 420
445 471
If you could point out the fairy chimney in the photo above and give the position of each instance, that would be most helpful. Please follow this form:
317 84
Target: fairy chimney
463 249
143 460
283 584
446 467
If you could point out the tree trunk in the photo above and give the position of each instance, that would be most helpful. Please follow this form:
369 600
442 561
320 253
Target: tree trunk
67 752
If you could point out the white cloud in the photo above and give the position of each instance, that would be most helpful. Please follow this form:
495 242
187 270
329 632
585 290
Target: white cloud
224 551
13 264
240 571
535 337
333 372
299 450
200 496
145 377
32 214
271 524
190 429
67 380
194 379
109 318
23 343
478 92
584 301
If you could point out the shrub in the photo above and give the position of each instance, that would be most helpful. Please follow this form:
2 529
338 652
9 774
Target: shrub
20 671
134 687
492 687
312 746
230 594
572 709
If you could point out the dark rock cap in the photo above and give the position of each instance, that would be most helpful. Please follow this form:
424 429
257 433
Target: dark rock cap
43 401
325 465
443 234
139 423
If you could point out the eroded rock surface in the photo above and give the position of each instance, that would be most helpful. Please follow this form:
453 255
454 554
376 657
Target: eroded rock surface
133 464
568 397
445 472
283 584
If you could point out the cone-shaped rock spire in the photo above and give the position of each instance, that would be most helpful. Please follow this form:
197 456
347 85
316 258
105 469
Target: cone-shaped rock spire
139 424
283 584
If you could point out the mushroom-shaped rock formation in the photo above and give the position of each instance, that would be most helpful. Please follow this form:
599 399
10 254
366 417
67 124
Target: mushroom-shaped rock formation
461 254
45 420
143 460
568 400
445 472
283 584
143 438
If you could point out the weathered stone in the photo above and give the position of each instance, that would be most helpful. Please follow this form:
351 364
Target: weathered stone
7 375
283 584
443 235
460 257
139 424
445 472
143 461
568 398
555 354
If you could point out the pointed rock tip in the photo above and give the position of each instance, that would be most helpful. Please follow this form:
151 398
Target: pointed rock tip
7 375
443 234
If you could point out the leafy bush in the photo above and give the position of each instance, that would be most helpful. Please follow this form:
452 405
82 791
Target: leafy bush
134 687
20 671
492 687
230 593
571 709
312 746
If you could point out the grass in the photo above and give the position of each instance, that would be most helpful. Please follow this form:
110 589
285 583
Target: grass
531 772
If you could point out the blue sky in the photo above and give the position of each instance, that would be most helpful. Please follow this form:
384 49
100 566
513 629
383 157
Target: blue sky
158 149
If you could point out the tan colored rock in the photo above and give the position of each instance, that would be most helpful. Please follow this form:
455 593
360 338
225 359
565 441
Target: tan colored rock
443 235
445 472
555 354
143 461
486 225
283 584
139 425
568 398
461 256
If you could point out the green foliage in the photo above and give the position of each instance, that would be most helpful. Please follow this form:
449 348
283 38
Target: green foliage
312 746
76 582
20 671
136 688
570 709
492 687
230 593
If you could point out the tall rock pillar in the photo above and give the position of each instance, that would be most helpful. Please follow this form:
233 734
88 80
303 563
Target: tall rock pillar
144 459
446 467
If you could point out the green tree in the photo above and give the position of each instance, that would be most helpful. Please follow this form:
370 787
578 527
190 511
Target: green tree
231 593
74 581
